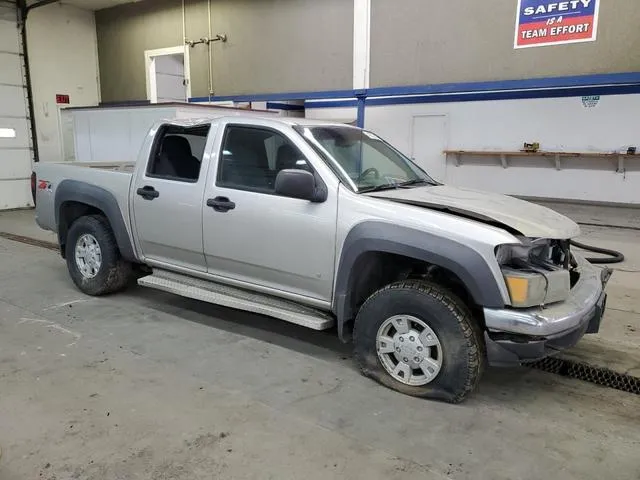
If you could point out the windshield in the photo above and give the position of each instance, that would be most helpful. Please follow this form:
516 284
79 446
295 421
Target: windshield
367 162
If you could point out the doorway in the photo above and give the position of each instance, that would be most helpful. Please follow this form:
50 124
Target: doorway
429 140
167 73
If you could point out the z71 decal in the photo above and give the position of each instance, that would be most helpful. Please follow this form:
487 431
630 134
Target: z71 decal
44 185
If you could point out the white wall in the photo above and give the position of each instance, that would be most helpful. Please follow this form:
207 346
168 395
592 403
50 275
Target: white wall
345 115
111 135
63 57
563 124
116 134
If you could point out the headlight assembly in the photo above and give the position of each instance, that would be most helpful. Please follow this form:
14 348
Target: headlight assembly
531 276
525 289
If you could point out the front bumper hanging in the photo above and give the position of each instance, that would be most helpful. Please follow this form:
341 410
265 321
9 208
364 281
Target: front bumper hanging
516 336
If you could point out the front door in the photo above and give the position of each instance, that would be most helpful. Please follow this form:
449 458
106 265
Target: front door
253 235
167 198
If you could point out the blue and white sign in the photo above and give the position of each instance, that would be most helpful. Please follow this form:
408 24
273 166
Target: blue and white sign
548 22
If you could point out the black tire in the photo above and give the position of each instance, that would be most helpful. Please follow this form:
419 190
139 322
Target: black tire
114 272
461 339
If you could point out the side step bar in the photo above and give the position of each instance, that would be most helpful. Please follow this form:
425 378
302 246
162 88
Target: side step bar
237 298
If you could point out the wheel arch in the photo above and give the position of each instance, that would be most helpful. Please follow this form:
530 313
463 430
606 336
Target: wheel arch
74 199
398 248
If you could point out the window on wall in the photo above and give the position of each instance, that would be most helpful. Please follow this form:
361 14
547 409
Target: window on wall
178 152
252 157
7 133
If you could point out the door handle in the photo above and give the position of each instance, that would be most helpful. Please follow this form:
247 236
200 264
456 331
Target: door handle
148 193
221 204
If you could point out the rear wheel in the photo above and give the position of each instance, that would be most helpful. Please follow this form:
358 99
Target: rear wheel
93 257
419 339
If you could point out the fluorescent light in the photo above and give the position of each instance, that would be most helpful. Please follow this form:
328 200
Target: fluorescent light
7 133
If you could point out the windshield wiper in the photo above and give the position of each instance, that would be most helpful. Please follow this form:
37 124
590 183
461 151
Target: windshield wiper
410 183
379 188
393 186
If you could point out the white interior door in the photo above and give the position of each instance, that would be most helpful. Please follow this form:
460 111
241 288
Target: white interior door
168 75
15 143
170 84
429 140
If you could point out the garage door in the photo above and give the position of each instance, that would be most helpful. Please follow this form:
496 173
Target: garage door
15 143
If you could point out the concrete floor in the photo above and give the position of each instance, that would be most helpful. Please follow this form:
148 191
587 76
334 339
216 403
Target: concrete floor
22 223
145 385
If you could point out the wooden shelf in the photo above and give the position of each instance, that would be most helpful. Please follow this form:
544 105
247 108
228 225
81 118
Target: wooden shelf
557 156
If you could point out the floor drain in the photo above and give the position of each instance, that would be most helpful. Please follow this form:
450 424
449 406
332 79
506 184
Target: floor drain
29 241
588 373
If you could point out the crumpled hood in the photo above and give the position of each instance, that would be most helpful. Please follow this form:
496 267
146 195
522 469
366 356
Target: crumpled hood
529 219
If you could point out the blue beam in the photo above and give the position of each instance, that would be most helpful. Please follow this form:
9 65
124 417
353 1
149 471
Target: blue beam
360 118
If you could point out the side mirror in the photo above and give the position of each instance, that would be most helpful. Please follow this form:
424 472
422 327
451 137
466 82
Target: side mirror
299 184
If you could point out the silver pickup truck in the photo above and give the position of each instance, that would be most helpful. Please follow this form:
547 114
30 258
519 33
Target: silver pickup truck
322 225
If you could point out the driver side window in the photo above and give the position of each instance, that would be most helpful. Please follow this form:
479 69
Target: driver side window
251 158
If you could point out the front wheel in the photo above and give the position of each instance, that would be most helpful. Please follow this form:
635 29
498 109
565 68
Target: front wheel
419 339
93 257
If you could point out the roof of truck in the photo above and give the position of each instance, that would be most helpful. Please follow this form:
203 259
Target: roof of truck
293 121
310 121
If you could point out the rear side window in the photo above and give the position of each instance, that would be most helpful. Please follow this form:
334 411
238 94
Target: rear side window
177 153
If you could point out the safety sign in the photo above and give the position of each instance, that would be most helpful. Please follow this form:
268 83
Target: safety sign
553 22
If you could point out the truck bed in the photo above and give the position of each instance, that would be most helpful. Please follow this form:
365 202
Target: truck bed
115 177
117 166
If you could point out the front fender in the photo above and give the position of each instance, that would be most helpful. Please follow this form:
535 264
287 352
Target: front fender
374 236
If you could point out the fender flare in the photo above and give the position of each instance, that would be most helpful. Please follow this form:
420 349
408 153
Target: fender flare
97 197
376 236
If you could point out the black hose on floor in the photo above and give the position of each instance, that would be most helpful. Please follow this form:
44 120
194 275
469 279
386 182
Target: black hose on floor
614 257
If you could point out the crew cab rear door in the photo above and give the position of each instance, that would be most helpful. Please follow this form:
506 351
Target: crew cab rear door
167 197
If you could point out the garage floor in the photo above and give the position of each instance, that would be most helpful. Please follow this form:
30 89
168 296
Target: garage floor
151 386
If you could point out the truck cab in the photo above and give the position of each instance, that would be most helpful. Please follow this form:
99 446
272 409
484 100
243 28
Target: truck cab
195 206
